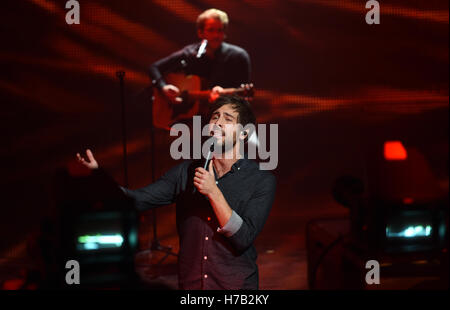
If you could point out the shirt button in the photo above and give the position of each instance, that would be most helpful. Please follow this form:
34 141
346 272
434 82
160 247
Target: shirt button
239 168
217 182
205 257
205 276
206 238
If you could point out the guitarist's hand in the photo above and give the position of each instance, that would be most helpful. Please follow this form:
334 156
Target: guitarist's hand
172 92
215 93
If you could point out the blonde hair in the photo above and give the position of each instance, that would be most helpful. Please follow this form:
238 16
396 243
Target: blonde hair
212 13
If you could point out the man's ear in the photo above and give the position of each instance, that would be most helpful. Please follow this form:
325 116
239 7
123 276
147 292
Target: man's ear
244 134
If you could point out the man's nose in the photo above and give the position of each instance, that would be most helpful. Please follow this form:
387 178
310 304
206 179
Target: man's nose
218 122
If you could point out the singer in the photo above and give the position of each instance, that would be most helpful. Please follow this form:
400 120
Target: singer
220 64
218 222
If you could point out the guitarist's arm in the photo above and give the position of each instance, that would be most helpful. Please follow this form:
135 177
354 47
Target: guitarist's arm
243 69
167 64
242 74
170 63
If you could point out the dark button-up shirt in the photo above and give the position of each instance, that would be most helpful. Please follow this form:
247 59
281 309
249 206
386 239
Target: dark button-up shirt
211 257
230 66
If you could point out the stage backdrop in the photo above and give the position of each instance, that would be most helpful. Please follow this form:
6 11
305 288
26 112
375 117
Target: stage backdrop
333 84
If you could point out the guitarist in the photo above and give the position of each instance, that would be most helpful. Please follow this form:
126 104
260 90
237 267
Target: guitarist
219 64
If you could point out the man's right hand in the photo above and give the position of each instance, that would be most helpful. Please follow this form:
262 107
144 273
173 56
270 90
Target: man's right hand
92 163
172 92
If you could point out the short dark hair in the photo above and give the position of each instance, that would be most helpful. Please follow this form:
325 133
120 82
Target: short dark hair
239 104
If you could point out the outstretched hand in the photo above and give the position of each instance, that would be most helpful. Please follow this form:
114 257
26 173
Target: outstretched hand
91 163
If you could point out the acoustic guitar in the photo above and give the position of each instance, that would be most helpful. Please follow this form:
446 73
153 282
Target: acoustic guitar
194 100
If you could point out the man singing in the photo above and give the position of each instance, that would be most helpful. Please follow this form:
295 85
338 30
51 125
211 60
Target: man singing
219 211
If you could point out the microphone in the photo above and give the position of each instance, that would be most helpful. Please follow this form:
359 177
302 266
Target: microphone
208 158
202 48
210 153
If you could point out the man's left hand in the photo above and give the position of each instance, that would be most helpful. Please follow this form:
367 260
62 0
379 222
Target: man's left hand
204 180
215 93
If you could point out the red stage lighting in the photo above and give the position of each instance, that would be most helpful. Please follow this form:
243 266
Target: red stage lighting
394 150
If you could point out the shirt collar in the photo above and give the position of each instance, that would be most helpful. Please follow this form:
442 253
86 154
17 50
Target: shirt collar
240 163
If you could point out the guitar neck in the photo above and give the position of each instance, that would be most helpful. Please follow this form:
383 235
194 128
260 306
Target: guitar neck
204 94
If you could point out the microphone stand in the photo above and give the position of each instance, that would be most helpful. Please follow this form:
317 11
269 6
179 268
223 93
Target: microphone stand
121 75
155 244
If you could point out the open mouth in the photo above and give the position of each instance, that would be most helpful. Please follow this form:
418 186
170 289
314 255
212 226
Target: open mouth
217 134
